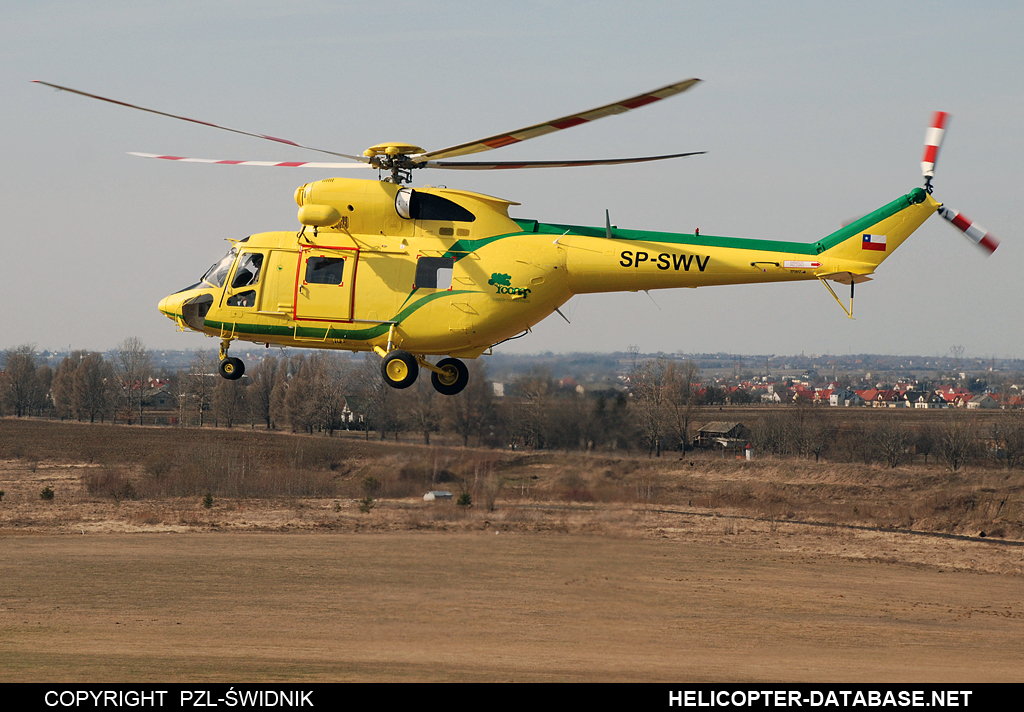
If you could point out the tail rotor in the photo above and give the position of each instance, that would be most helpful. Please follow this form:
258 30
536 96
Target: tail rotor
932 142
971 230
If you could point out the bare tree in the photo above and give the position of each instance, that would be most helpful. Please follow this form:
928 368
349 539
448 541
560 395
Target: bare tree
62 389
649 388
22 387
956 441
380 401
422 403
278 398
892 439
132 366
529 414
228 400
299 401
201 380
820 436
93 381
330 379
262 380
924 442
681 400
772 434
1007 436
471 412
613 417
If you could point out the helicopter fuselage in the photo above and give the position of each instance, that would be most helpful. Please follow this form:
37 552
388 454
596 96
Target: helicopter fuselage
437 271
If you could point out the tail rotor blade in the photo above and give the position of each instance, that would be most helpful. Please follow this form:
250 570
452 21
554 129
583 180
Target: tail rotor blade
932 141
972 230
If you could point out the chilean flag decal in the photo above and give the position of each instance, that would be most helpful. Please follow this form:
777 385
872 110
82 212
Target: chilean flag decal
873 242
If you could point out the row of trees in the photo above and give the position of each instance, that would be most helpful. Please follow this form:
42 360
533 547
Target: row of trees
310 392
955 439
325 392
84 386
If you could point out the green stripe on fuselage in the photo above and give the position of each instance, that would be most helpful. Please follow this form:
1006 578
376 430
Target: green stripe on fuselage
330 332
746 243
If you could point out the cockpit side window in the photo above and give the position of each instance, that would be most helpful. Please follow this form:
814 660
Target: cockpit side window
248 271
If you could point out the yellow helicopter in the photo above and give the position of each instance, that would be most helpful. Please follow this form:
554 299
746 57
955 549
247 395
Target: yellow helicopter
415 272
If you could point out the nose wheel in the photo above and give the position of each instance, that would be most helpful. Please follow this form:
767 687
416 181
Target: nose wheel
232 368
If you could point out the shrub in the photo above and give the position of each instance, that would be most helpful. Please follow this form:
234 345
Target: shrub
113 482
47 493
464 500
366 504
208 500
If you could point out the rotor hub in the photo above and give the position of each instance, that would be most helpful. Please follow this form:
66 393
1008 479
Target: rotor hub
393 156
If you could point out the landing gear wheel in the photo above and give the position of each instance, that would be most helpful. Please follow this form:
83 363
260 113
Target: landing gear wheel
399 369
232 368
453 378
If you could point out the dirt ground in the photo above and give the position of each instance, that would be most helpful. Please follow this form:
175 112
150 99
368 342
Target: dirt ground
682 598
95 589
486 606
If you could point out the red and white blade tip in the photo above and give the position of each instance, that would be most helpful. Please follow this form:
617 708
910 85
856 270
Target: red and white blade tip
972 230
279 164
932 141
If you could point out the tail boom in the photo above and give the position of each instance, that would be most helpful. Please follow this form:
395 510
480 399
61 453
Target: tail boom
608 259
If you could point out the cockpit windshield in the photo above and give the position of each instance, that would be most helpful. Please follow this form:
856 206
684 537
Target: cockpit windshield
216 275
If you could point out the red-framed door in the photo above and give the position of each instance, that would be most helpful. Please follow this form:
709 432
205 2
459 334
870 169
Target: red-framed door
325 283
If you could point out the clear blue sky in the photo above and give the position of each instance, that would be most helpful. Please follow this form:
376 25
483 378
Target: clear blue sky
812 113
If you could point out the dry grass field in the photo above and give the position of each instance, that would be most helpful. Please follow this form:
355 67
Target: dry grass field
586 568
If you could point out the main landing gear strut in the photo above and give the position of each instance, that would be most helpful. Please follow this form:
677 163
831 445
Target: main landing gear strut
400 370
230 368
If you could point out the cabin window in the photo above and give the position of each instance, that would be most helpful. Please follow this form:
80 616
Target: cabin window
248 271
413 205
325 270
434 272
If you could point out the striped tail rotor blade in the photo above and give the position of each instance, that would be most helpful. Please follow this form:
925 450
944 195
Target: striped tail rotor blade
932 142
972 230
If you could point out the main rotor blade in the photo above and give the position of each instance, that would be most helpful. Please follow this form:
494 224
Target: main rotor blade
483 166
932 143
565 122
361 159
273 164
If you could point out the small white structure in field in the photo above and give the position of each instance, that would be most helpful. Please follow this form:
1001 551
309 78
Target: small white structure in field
437 494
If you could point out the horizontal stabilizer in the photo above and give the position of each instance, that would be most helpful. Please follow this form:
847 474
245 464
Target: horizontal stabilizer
845 277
